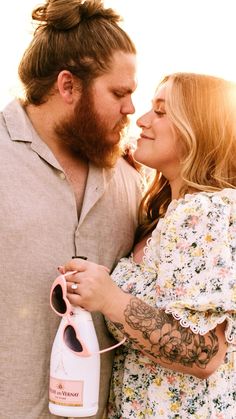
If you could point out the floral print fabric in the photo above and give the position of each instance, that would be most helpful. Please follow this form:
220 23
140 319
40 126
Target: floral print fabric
188 270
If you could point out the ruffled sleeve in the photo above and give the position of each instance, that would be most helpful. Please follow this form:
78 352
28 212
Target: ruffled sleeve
196 261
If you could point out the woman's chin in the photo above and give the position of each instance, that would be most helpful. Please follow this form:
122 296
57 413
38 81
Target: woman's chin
138 156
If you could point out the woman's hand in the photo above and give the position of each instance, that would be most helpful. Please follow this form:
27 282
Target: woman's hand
95 289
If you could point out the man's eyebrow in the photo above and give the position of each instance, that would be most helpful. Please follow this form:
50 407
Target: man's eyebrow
125 89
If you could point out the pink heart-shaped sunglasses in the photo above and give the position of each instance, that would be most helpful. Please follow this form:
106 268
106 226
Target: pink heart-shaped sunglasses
62 307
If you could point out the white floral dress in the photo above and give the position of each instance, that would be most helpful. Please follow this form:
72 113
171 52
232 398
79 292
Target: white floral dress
189 270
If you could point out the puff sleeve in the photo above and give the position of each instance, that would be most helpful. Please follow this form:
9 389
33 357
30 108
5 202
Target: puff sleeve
193 250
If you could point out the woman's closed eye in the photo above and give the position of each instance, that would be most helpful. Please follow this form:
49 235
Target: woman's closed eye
159 112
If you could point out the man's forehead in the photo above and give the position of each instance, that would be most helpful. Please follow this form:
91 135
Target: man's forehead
123 65
123 79
121 75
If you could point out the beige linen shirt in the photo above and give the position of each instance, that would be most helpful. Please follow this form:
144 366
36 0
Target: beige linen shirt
40 230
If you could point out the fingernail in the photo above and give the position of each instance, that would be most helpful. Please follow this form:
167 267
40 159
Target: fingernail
61 269
80 257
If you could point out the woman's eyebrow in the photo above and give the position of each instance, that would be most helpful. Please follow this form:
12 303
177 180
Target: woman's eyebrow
157 101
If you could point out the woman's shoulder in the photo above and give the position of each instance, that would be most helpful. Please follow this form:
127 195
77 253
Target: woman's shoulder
204 202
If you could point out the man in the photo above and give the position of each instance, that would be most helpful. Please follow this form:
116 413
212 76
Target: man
65 190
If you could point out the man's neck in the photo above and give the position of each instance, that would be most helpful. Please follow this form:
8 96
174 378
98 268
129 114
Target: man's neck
42 120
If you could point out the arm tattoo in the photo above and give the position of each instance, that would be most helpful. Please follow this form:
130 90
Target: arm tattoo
167 339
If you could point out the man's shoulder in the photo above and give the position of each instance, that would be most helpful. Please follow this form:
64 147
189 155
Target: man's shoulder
15 124
11 115
124 166
129 176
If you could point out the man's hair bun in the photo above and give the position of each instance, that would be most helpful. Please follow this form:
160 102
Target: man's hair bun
64 15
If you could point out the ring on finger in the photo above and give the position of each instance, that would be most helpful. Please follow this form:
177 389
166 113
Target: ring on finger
74 286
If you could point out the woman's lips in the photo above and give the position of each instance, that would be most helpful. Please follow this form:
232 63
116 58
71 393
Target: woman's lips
145 137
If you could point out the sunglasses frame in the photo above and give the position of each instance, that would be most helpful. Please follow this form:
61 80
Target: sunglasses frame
60 280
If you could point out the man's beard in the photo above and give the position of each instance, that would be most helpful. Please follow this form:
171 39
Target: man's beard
86 134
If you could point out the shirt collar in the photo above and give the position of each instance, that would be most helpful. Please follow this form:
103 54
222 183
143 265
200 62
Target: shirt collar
21 129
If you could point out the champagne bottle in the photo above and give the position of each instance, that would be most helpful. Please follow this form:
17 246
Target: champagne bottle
75 367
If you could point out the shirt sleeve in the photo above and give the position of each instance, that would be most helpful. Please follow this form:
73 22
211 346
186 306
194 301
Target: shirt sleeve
197 262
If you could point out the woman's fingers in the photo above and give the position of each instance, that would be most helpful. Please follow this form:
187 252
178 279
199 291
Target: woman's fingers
80 265
74 265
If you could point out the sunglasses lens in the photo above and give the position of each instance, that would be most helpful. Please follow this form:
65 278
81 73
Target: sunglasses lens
57 300
71 340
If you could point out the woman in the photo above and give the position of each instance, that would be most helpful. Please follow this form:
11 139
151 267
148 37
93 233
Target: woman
174 297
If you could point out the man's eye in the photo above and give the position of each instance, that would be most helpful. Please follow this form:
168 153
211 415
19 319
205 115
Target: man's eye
119 94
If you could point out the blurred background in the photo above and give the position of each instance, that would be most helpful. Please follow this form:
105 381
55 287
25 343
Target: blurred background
170 35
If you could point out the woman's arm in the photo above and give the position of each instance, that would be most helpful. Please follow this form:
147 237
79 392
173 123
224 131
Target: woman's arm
154 332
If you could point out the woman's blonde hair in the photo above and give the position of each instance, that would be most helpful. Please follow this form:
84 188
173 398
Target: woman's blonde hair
202 109
74 35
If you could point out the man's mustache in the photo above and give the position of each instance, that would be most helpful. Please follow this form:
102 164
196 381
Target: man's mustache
123 123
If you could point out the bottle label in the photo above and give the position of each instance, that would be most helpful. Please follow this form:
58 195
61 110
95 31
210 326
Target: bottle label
66 392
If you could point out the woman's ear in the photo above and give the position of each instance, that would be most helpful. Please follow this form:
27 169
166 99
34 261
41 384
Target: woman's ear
67 86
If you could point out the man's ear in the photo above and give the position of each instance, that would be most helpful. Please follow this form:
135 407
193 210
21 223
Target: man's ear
68 86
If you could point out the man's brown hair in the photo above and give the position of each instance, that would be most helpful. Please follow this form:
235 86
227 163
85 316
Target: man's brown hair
74 35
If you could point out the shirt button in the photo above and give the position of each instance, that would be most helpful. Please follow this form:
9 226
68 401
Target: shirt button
62 175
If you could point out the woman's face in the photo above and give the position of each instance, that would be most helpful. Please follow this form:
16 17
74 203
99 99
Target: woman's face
158 146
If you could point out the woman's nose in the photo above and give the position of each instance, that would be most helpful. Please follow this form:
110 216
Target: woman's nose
144 120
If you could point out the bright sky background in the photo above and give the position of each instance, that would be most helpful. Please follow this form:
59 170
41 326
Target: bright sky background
170 35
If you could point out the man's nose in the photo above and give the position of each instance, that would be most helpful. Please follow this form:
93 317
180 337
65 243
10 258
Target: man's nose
128 108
